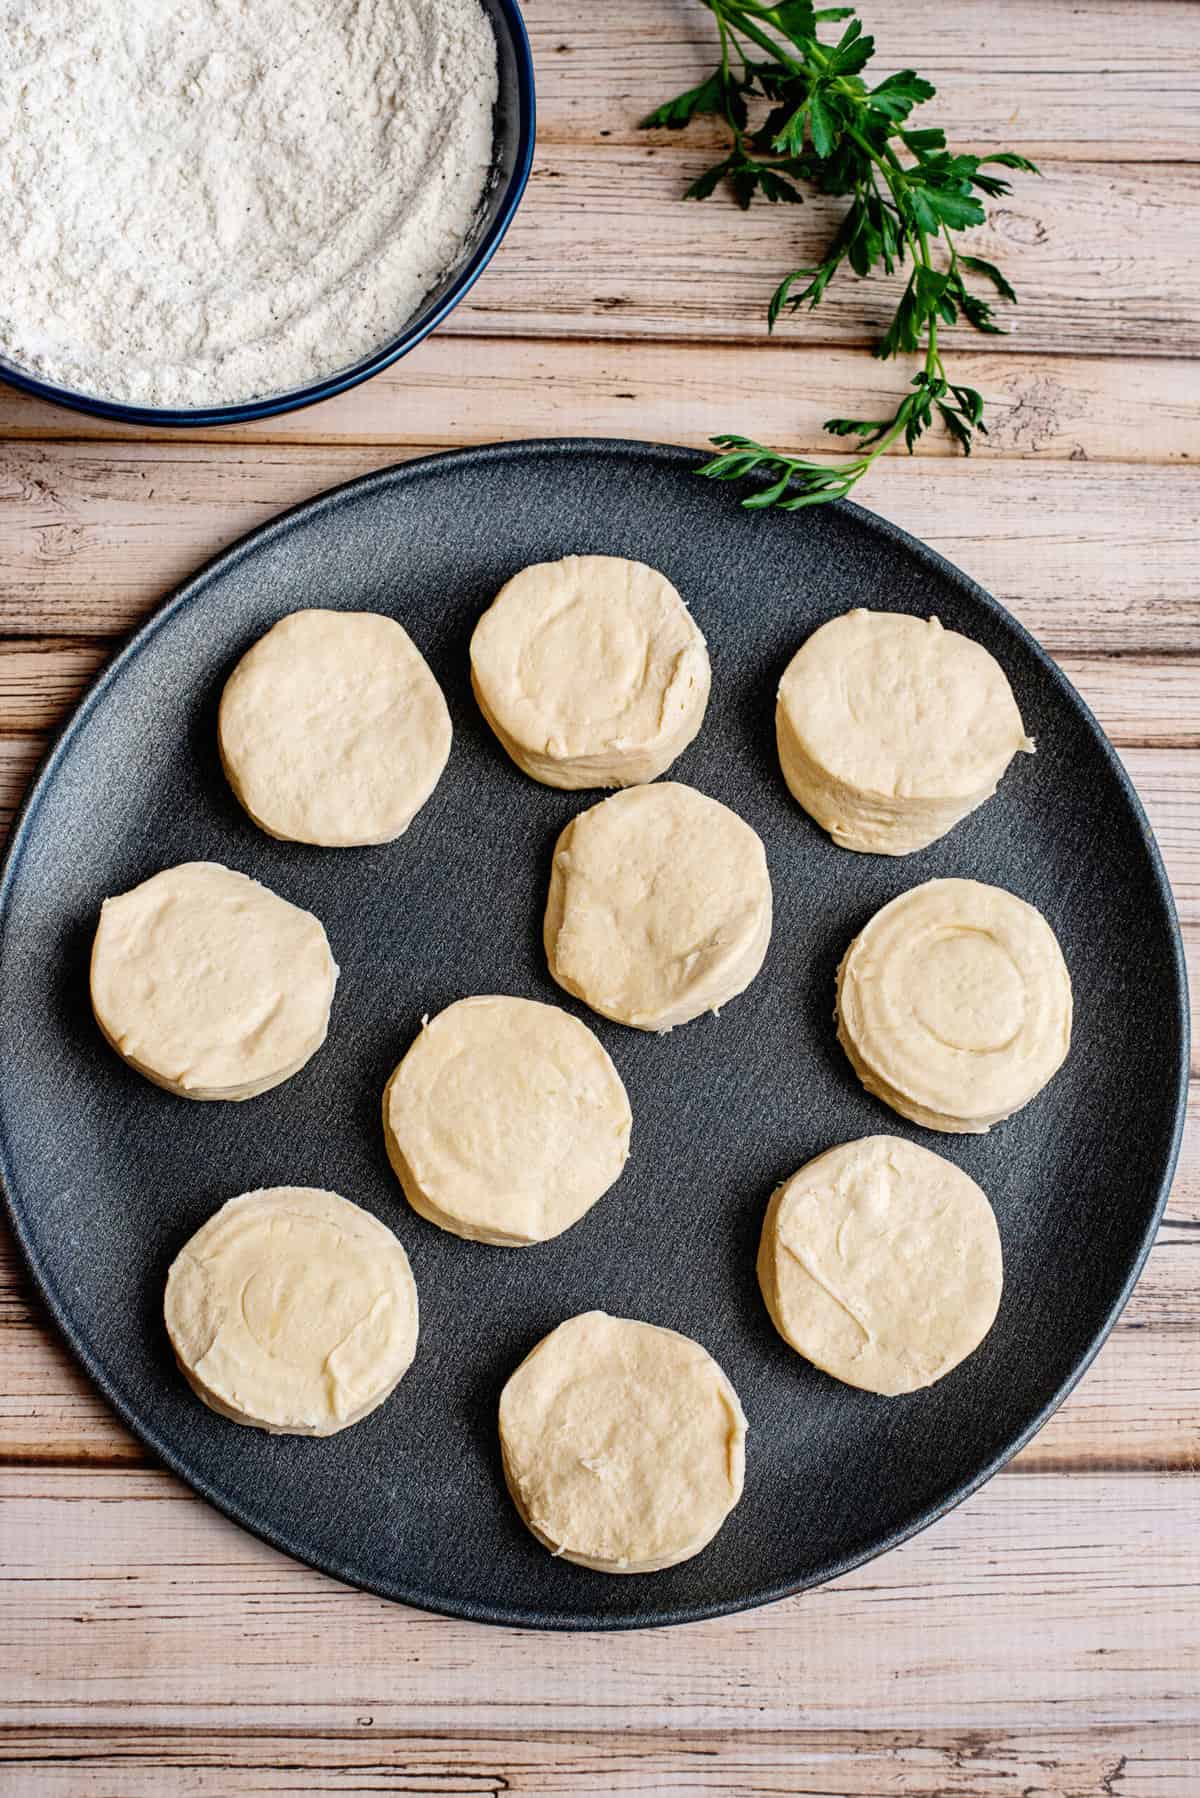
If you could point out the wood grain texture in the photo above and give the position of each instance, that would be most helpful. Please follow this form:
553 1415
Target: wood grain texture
1091 558
1107 80
1101 254
110 1762
141 1606
42 679
455 391
19 757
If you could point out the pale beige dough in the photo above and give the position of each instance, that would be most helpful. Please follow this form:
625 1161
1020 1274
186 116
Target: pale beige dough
506 1121
891 729
292 1309
332 729
591 671
209 984
954 1005
624 1444
880 1262
659 906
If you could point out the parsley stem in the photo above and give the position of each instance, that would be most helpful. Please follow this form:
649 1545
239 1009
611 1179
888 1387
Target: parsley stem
905 192
756 36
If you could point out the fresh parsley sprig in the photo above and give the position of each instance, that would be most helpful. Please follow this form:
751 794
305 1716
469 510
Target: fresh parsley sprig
909 196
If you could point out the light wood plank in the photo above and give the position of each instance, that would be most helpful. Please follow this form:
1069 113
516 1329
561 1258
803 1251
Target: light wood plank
454 391
1150 1761
1077 1593
1093 559
19 757
43 678
1141 701
1138 1407
1102 254
1168 782
1095 81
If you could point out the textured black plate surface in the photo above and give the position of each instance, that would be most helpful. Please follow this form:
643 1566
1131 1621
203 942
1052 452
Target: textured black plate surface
107 1176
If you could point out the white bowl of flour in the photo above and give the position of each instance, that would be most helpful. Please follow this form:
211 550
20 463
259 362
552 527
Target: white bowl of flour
220 209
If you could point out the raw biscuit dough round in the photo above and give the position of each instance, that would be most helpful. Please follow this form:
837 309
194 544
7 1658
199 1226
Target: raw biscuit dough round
624 1445
880 1262
209 984
332 729
659 906
891 729
954 1005
293 1310
506 1121
591 671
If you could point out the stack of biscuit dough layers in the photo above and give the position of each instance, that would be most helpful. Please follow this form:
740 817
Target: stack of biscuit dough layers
590 671
209 984
624 1444
954 1005
880 1263
293 1310
891 729
659 906
506 1121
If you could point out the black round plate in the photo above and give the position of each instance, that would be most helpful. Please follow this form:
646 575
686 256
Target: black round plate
107 1176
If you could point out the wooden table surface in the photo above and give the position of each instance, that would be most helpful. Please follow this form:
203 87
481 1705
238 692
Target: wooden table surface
1043 1638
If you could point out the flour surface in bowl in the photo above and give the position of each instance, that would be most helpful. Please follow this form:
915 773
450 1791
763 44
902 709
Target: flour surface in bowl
205 203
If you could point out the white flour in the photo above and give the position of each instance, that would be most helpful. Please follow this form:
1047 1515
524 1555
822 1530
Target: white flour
206 200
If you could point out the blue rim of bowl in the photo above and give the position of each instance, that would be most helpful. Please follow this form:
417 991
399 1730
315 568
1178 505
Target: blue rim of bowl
271 405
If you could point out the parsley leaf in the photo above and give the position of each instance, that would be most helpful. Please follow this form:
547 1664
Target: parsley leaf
908 196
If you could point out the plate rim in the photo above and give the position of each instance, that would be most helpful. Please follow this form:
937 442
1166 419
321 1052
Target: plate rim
677 456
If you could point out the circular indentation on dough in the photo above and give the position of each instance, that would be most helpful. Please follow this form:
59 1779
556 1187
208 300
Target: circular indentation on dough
209 984
659 906
891 729
292 1309
954 1004
880 1263
969 993
623 1444
591 671
291 1305
332 729
506 1120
